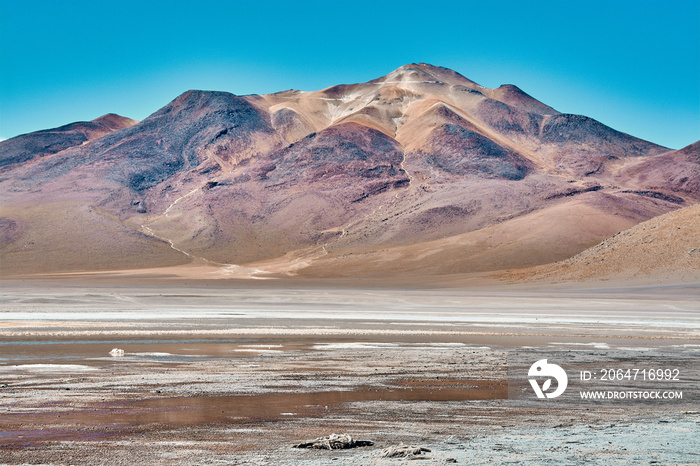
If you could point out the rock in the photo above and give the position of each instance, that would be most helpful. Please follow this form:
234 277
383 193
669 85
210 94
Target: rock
403 451
334 442
116 352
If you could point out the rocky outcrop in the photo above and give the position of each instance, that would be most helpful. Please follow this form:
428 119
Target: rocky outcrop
336 441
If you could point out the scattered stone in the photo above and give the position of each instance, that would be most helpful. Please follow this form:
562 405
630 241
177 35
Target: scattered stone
116 352
334 442
450 460
403 451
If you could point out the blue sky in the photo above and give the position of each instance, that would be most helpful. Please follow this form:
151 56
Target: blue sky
634 65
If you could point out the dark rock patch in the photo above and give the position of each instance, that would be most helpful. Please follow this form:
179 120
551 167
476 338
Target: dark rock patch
334 442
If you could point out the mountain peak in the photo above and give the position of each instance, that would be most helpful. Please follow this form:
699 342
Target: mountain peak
425 73
516 97
114 122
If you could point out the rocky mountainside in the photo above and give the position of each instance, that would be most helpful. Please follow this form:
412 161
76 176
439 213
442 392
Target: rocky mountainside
421 171
42 143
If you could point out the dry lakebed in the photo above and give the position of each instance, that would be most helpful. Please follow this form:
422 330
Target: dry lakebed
210 372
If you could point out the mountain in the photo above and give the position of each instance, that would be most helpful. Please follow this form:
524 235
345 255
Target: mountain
42 143
421 171
665 247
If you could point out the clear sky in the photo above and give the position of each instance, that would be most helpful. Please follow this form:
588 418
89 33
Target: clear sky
634 65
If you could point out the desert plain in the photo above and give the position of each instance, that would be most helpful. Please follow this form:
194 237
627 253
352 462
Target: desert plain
237 371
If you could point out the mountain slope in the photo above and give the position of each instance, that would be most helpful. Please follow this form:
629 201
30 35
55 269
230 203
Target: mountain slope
350 180
671 172
42 143
665 248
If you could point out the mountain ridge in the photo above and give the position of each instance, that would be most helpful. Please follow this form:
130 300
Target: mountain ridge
50 141
315 177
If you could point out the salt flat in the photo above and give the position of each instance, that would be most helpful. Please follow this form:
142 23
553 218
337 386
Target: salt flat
238 371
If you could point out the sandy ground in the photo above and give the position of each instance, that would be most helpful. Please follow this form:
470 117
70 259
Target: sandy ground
226 372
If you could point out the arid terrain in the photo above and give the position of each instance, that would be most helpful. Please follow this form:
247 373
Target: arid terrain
237 274
418 173
237 372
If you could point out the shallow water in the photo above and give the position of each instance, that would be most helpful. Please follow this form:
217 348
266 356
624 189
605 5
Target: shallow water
114 419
